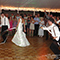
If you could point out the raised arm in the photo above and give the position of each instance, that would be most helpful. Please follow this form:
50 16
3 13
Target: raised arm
46 15
54 20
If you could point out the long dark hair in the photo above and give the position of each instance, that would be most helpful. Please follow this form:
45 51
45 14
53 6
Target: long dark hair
14 17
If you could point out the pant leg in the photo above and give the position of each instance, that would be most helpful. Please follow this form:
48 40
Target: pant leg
37 27
35 30
54 48
46 35
5 34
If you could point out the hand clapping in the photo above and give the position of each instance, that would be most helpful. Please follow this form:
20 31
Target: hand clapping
41 27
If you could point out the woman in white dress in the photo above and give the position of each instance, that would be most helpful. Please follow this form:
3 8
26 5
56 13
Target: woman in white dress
41 31
20 37
32 28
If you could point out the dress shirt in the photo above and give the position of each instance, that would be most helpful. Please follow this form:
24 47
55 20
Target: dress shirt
25 18
7 21
51 31
37 20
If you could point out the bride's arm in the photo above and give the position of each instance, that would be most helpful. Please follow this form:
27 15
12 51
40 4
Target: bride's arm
18 23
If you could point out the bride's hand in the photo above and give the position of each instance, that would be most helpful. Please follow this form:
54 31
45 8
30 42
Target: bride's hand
24 30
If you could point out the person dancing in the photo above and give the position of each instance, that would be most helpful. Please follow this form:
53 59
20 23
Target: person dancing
20 38
54 31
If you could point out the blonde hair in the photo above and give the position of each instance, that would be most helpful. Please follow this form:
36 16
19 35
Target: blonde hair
41 18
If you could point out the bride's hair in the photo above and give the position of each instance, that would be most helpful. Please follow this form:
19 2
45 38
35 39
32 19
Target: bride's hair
22 15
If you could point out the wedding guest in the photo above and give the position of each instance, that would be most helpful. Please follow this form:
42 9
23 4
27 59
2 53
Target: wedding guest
28 25
36 25
39 16
14 24
57 22
25 18
11 26
32 27
17 17
41 31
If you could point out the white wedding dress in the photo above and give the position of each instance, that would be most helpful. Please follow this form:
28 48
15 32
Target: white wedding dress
20 37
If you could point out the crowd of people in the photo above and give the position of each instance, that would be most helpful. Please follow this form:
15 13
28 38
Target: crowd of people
32 23
32 26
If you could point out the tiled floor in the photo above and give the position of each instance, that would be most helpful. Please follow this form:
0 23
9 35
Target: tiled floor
38 50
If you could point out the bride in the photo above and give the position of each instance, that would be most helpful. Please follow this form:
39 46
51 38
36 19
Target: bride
20 38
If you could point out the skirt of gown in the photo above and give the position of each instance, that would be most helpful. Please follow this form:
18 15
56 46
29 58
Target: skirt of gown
20 40
20 37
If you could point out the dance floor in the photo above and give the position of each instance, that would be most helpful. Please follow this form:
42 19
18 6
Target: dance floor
38 50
